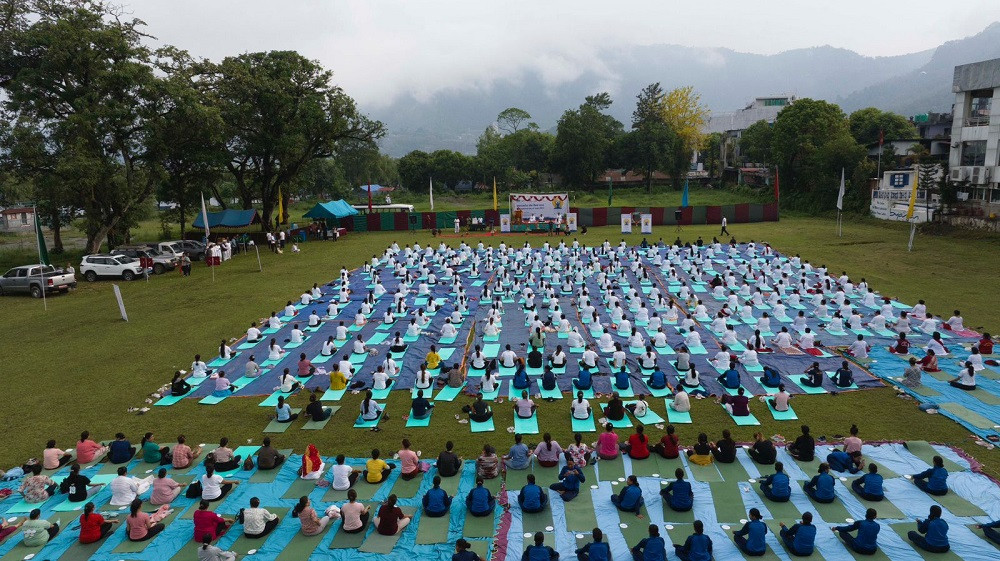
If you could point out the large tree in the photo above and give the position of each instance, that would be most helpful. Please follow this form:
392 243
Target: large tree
584 137
756 143
683 112
651 144
865 125
510 120
281 112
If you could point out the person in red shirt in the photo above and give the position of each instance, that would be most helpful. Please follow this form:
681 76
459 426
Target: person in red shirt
209 523
986 344
638 444
93 526
669 445
902 346
390 520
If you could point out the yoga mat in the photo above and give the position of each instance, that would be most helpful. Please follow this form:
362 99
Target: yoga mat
269 475
583 425
622 423
782 415
343 540
377 338
318 425
611 470
272 400
432 529
247 345
580 511
219 361
905 527
554 393
274 426
831 513
647 467
922 390
172 399
957 505
526 426
650 418
300 487
333 395
358 359
985 396
301 547
727 500
768 555
884 507
478 526
748 420
968 415
923 450
360 423
733 471
482 427
407 488
807 389
483 548
676 416
243 544
491 350
413 422
707 473
661 392
537 521
785 512
975 530
449 393
410 339
636 528
128 546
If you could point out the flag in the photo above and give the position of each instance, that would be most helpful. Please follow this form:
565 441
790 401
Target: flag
369 195
840 197
494 192
611 191
913 196
281 209
684 197
204 212
43 252
777 185
432 192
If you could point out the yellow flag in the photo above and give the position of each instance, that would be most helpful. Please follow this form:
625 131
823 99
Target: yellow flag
281 207
913 196
494 193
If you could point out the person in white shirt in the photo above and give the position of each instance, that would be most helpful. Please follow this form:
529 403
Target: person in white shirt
412 330
491 329
784 339
575 340
580 407
273 322
253 334
929 325
807 340
719 324
448 329
618 358
636 340
198 368
605 343
558 359
344 476
488 383
346 367
290 310
328 347
877 323
390 366
749 358
332 309
691 378
380 379
648 360
859 348
919 310
478 360
660 339
125 489
956 322
639 408
935 345
508 357
306 298
589 359
722 358
297 335
692 339
359 346
314 320
682 402
275 352
341 332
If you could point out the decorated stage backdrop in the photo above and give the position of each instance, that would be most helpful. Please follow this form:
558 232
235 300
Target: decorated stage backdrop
541 205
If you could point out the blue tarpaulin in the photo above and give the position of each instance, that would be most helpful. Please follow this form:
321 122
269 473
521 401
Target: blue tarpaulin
228 219
331 210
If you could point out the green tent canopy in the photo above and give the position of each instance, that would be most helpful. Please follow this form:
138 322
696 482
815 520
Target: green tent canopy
331 210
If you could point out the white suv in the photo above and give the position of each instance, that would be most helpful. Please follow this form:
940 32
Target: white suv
118 266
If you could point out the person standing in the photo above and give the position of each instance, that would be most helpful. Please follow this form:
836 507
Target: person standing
724 231
186 264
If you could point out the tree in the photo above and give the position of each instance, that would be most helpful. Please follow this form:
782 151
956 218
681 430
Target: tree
583 140
650 146
755 143
866 123
281 111
509 120
713 154
415 170
683 112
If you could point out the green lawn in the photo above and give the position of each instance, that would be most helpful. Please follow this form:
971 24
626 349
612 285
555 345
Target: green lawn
78 366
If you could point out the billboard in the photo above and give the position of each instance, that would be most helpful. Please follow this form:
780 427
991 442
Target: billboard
540 205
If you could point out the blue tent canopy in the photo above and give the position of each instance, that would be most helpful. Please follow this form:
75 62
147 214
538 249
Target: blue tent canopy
228 219
331 209
375 187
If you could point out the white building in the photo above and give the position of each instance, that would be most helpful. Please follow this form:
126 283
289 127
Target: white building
732 123
891 200
975 132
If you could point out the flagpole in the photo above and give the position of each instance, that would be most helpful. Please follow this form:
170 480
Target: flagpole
41 266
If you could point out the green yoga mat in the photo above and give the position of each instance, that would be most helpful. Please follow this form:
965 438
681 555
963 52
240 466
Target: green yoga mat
775 528
301 547
243 544
650 418
482 427
377 543
647 467
967 415
831 513
411 421
580 511
526 426
431 529
545 476
517 478
957 505
884 507
671 516
782 415
20 552
611 470
676 416
924 391
537 521
769 554
343 540
903 528
274 426
269 475
84 552
299 487
622 423
636 528
449 393
478 526
707 473
923 450
407 488
811 467
941 375
783 512
483 548
318 425
975 530
733 471
583 425
128 546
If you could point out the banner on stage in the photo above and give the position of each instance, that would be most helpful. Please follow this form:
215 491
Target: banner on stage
647 223
505 223
571 221
540 205
626 223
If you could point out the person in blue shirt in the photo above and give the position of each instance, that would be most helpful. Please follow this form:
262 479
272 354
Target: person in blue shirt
597 550
436 500
622 381
820 487
583 380
120 450
652 548
931 534
677 494
539 551
657 380
463 552
935 480
570 478
421 407
630 498
521 381
841 461
869 485
519 455
800 538
776 486
990 531
730 378
532 498
697 547
843 377
771 378
866 542
750 538
548 379
480 500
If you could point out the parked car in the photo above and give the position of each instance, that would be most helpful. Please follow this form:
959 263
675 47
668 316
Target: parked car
162 262
31 279
169 248
194 249
93 267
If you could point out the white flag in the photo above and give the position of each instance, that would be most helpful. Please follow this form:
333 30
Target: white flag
840 197
432 193
204 214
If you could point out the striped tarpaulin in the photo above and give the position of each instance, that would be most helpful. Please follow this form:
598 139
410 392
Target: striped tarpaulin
713 215
599 217
401 220
742 213
374 221
771 212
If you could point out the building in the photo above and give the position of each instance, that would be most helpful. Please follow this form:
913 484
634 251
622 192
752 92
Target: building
17 219
974 159
732 124
891 197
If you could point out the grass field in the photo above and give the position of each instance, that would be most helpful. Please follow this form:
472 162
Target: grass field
78 366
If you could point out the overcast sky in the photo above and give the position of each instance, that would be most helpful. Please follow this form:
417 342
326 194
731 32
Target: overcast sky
380 49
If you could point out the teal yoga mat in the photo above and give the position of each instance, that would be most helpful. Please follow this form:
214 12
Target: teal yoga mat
651 417
676 416
482 427
622 423
746 421
526 426
413 422
449 393
782 415
583 425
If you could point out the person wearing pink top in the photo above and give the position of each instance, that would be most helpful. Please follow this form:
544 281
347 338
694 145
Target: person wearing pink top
548 451
183 455
141 526
312 524
852 445
53 458
409 462
165 489
607 443
87 450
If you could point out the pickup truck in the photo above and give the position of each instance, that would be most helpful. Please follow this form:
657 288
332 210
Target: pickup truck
28 279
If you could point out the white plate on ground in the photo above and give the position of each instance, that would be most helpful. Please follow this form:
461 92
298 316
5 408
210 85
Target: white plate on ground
594 486
726 526
849 520
623 525
579 536
743 520
527 534
656 475
549 528
622 479
843 479
12 519
668 526
251 552
751 480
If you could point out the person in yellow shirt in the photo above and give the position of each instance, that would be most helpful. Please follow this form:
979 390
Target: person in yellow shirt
433 358
337 379
376 469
